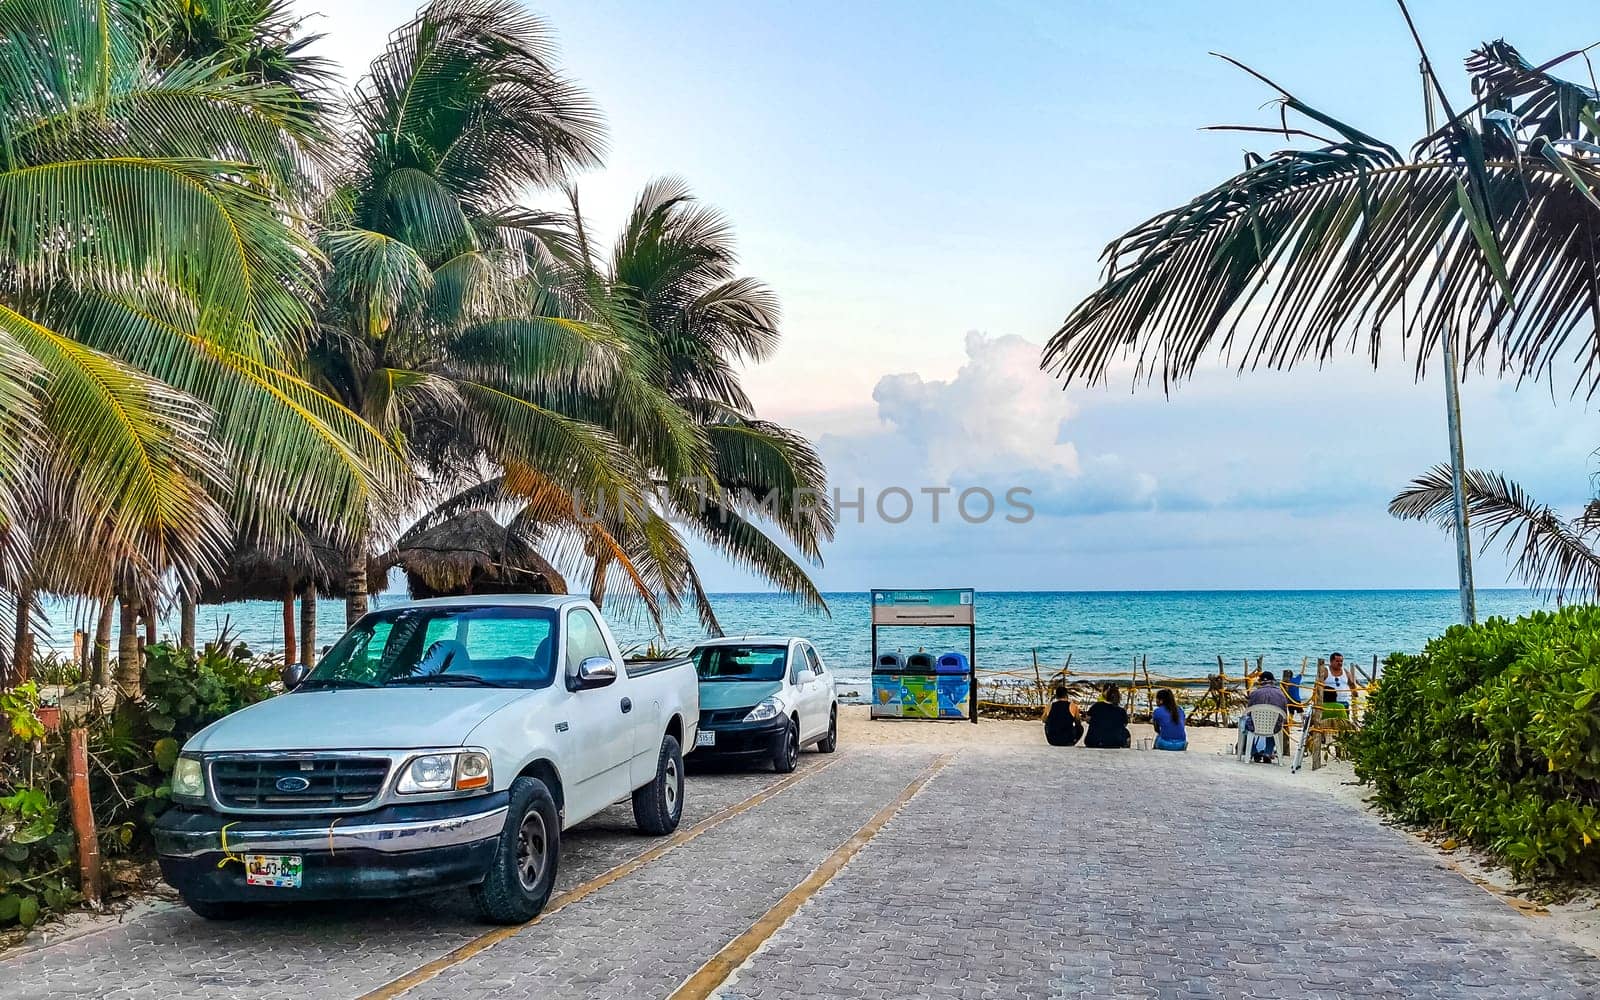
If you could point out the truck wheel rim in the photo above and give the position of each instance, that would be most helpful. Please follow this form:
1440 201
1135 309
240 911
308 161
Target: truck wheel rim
673 783
531 846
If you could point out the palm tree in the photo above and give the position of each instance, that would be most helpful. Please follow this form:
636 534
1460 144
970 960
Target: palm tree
155 284
1555 555
436 328
673 270
260 39
1488 228
669 294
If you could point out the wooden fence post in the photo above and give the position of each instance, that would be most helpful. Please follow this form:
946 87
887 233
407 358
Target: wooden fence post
83 815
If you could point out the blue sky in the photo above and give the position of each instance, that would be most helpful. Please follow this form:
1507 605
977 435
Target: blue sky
927 186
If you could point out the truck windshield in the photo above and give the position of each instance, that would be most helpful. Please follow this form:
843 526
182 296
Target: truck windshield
742 663
456 645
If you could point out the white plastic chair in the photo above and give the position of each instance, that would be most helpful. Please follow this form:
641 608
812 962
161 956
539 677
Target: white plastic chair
1264 721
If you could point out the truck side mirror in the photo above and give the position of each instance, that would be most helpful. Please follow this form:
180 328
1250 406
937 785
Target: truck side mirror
293 674
596 672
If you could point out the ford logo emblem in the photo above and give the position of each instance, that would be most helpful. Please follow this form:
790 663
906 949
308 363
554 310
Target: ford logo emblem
293 783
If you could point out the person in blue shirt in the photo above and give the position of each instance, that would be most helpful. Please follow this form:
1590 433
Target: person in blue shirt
1168 720
1291 691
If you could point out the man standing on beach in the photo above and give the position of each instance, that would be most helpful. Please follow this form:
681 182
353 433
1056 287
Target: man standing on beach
1337 685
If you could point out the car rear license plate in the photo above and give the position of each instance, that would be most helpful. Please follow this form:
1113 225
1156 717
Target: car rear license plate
279 871
705 738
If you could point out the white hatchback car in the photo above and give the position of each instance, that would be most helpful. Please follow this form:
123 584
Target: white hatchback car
765 697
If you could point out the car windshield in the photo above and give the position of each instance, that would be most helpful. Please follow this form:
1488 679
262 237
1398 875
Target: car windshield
741 663
454 645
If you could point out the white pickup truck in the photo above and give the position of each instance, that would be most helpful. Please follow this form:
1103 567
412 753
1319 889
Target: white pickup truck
438 743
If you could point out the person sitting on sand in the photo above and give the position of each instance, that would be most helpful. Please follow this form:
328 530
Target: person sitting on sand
1108 722
1168 720
1062 727
1267 692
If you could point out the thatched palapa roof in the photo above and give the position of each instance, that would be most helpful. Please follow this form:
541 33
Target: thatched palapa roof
256 574
468 554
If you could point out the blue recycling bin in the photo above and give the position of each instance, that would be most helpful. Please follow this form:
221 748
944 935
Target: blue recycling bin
952 663
890 663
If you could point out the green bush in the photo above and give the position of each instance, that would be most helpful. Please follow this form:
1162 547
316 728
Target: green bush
185 691
132 753
37 859
1493 733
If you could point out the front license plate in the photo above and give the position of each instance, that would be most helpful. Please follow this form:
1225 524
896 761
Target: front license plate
705 738
280 871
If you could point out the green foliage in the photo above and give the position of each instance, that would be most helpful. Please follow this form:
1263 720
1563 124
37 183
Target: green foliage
186 690
132 752
1493 733
54 668
36 845
18 709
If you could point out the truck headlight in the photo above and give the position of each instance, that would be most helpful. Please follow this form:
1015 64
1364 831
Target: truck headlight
188 779
444 772
473 771
769 709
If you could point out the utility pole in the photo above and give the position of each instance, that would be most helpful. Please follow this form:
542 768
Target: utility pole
1452 409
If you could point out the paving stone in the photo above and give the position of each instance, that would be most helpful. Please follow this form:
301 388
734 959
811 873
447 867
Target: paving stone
1101 879
1014 874
324 949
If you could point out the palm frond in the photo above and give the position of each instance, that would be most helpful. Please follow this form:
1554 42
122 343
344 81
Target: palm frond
302 452
744 544
138 454
1307 253
756 461
467 92
1553 555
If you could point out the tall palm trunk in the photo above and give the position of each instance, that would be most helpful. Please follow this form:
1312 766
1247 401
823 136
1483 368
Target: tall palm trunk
100 662
149 613
308 624
130 663
597 580
22 640
290 647
355 589
186 614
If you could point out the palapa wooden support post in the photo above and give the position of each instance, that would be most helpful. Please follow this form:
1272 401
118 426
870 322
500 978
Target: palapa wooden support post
83 815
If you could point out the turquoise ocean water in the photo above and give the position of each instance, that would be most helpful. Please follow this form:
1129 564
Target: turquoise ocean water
1182 632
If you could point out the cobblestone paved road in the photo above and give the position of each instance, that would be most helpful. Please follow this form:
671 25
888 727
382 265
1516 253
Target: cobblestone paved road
1031 873
1067 875
326 951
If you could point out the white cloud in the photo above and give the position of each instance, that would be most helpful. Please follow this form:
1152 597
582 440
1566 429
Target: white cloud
998 414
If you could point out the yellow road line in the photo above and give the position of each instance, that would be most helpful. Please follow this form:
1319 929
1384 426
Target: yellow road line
483 942
710 976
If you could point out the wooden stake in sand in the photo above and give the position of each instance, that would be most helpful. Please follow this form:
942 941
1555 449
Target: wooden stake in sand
83 815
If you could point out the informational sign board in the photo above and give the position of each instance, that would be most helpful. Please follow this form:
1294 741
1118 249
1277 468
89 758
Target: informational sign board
922 607
925 686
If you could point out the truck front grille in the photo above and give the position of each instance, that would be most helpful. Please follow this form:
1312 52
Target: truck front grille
292 784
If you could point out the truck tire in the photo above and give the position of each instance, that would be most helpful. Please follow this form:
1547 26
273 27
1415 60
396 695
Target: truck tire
211 909
786 750
830 742
658 806
523 871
